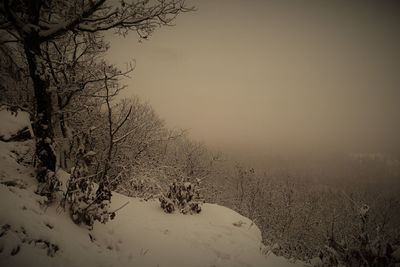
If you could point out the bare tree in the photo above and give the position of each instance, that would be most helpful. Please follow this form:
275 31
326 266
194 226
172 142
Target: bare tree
33 24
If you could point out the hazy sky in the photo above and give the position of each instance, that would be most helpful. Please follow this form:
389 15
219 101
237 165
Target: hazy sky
275 75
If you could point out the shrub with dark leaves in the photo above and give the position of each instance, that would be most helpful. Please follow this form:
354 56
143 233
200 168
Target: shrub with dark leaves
182 195
87 205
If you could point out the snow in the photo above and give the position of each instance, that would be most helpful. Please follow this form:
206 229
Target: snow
11 124
32 234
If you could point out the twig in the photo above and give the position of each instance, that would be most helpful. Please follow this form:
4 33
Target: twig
121 207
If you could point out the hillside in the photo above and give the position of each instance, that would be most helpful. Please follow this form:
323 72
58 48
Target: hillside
140 235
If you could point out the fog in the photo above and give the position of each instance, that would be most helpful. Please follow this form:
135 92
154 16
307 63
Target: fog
266 79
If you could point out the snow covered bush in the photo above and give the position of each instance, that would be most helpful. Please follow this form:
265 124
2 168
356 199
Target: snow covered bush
183 196
48 186
363 251
86 205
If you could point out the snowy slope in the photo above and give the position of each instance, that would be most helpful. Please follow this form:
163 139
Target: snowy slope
11 123
140 235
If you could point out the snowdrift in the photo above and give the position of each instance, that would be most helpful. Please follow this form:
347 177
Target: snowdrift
32 234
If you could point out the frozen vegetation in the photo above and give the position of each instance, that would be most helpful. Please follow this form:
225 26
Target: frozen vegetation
33 234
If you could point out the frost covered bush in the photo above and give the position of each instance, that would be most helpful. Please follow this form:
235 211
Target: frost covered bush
48 186
86 204
183 196
363 251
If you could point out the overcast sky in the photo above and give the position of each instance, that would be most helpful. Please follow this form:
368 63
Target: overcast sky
275 76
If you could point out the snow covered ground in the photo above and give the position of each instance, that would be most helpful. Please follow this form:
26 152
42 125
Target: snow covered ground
11 123
32 234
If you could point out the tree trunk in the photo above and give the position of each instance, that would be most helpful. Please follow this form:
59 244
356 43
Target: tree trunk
63 136
42 126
